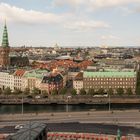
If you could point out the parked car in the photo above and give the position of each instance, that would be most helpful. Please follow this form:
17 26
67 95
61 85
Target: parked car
37 97
19 126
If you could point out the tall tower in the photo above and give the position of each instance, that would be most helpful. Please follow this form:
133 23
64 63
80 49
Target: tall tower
4 49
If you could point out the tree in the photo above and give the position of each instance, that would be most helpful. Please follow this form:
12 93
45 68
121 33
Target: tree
73 91
120 91
138 90
82 91
35 91
129 91
138 84
91 91
26 91
1 92
63 91
110 91
44 93
7 91
17 91
101 91
54 92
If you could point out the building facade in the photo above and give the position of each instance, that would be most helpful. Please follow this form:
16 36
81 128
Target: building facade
52 82
18 80
78 82
33 78
110 80
6 80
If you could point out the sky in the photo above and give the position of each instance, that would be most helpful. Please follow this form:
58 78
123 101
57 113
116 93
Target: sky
71 22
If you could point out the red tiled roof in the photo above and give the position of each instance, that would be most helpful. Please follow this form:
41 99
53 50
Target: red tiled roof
19 72
65 64
79 76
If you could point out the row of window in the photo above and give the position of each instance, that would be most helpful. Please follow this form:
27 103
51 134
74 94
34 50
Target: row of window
109 79
110 83
106 87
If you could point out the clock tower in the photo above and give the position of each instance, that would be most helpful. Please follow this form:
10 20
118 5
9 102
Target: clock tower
4 49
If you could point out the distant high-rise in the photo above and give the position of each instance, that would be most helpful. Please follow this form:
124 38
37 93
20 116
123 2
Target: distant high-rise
5 49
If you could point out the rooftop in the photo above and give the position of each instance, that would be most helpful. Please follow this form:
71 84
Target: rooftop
79 76
37 73
29 131
19 72
110 74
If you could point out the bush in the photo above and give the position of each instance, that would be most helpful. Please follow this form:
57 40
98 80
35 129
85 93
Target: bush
120 91
82 92
91 91
129 91
7 91
73 92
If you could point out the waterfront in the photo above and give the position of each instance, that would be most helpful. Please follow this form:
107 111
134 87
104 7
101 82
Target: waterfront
13 109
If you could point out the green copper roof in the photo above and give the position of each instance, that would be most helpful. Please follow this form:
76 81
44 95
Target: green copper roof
110 74
5 42
35 74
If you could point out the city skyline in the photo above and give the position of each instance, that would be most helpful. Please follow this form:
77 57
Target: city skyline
71 22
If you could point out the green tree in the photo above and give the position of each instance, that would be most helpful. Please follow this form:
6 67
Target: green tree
120 91
129 91
82 91
54 92
138 90
36 91
44 93
17 91
91 91
26 91
1 92
138 83
63 91
100 91
7 91
73 91
110 91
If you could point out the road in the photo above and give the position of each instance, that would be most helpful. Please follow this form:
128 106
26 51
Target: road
94 121
83 128
131 117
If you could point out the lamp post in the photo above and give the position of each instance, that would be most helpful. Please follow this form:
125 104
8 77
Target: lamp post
118 134
67 105
22 106
109 103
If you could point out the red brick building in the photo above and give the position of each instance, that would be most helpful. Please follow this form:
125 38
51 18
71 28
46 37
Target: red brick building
52 82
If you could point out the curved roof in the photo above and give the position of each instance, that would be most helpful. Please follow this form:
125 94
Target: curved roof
64 57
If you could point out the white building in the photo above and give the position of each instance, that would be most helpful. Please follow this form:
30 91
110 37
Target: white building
78 82
6 80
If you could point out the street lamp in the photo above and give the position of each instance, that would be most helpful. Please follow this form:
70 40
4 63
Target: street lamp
118 134
67 106
109 103
22 106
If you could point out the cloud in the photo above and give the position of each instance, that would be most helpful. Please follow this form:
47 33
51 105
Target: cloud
15 14
86 25
67 20
109 37
72 3
136 10
94 4
111 3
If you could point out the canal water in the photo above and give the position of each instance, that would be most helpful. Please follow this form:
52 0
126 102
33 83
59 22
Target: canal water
12 109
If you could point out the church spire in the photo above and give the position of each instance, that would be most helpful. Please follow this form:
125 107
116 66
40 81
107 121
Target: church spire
5 42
